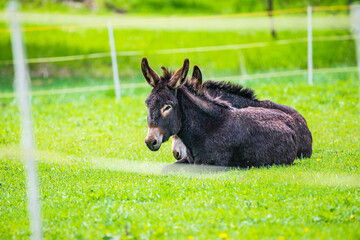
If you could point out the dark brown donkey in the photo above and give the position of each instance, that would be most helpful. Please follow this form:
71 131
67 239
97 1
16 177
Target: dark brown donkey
240 97
214 132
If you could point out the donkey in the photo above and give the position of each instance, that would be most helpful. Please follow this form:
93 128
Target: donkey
240 97
214 132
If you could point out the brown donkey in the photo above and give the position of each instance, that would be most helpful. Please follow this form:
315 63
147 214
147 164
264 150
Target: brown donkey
214 132
240 97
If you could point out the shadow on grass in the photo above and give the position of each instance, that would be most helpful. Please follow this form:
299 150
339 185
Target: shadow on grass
194 169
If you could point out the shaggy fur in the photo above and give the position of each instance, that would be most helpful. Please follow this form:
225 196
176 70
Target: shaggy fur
213 131
240 97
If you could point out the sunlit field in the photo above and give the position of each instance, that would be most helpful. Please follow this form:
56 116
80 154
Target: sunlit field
98 180
155 38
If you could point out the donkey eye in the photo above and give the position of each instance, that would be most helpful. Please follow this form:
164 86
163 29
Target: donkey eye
166 108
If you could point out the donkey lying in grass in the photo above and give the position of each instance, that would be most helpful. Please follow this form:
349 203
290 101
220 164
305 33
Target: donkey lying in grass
240 97
214 132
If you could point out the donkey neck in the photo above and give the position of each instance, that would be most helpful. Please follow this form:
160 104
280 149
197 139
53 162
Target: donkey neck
199 116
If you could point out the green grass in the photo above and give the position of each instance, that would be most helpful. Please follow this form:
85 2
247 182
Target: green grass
275 57
98 179
166 7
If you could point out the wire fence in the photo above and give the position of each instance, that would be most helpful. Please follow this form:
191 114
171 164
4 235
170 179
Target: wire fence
186 50
182 50
250 14
99 88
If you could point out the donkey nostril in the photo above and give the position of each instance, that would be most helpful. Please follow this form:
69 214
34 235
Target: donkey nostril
177 155
154 142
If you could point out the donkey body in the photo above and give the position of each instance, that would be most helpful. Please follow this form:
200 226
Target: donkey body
240 97
213 131
225 136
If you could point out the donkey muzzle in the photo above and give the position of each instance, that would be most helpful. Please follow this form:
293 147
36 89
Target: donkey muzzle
176 154
178 148
154 138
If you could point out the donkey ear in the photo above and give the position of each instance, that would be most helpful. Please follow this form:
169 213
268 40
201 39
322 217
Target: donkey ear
150 75
180 76
196 77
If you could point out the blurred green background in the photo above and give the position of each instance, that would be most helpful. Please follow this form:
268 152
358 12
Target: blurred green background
168 7
149 26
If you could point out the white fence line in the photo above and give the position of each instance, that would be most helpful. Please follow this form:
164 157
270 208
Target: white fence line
77 90
114 61
287 73
22 87
182 50
144 85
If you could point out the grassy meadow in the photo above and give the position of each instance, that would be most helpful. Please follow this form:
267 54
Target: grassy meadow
148 35
171 7
97 178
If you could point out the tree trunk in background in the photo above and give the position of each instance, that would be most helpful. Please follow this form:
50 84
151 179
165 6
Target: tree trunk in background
91 4
270 9
349 2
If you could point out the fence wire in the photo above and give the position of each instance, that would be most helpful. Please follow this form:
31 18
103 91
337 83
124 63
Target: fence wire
144 85
181 50
249 14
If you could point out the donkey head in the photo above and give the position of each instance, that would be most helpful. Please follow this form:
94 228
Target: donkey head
164 119
178 147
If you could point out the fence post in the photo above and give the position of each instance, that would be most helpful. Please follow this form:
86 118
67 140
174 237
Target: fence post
114 61
242 66
355 24
310 50
22 82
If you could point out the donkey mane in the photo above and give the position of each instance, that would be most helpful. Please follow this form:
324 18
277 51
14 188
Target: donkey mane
232 88
166 74
228 87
